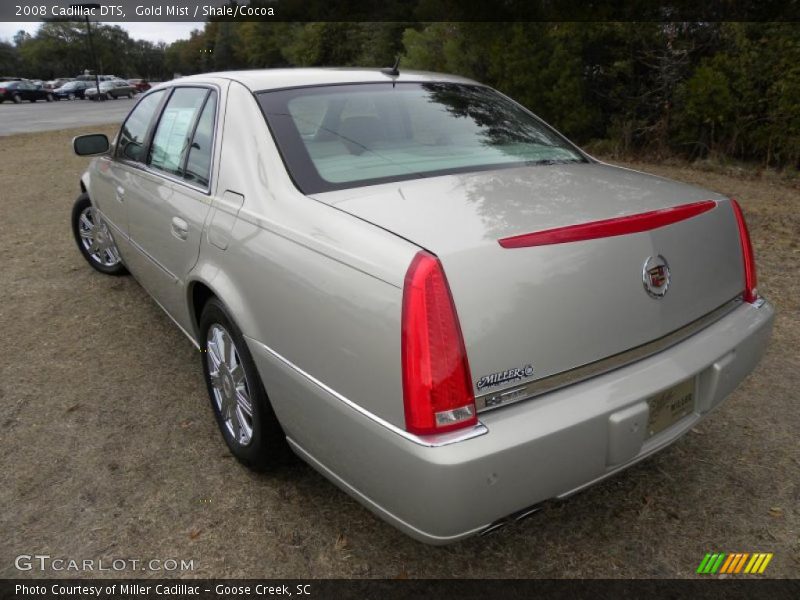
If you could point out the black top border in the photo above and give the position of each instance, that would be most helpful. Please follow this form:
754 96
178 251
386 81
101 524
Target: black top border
420 10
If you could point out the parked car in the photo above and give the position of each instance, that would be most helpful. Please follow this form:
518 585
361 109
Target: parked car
426 292
17 91
73 89
57 83
115 88
140 85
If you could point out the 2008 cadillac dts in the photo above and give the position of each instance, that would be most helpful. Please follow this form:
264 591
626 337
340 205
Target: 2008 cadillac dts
438 301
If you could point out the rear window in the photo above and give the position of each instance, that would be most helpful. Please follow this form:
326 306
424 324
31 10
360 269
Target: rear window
338 137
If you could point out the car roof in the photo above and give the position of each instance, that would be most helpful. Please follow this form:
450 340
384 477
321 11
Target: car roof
269 79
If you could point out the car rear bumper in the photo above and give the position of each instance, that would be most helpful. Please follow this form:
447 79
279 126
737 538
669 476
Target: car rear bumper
544 448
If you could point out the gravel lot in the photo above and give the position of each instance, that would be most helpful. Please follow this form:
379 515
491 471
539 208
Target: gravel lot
108 448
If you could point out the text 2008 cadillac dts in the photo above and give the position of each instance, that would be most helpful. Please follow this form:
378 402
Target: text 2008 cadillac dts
420 288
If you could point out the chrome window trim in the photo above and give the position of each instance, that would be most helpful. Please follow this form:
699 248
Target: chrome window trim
556 381
431 441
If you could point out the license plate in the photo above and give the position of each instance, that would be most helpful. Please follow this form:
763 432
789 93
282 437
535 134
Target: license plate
670 406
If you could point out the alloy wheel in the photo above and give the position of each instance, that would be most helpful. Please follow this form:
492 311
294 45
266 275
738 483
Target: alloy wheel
96 238
229 384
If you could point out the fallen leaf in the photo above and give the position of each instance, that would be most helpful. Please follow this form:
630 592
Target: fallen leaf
776 511
194 534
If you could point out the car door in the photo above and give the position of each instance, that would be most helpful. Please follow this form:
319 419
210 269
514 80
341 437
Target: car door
27 91
114 179
167 219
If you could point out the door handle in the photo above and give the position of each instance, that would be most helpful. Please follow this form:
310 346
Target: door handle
180 228
120 193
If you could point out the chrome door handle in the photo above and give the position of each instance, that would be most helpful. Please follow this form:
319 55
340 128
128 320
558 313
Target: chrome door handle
120 193
180 228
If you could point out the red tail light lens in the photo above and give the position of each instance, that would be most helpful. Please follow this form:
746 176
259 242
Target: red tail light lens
750 292
437 386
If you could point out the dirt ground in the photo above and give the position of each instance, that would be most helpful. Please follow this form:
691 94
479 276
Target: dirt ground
108 448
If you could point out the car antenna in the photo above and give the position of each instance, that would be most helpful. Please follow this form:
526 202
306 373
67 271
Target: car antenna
393 71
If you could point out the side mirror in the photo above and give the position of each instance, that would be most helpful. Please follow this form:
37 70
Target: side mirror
89 145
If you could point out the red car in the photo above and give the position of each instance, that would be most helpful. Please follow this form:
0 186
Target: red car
140 85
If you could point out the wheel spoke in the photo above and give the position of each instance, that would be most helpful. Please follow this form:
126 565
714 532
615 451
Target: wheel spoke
85 221
214 355
243 402
236 425
245 429
219 342
227 351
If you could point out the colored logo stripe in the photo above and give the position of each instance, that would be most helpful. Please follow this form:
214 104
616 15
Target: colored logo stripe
720 562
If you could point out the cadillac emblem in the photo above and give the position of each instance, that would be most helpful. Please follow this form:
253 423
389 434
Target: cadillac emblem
655 276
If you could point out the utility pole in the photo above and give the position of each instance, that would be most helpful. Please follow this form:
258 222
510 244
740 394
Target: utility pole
86 9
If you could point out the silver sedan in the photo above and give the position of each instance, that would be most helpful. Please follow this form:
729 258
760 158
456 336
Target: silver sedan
111 89
420 288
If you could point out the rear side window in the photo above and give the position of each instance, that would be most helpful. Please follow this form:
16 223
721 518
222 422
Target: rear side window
198 165
133 135
174 131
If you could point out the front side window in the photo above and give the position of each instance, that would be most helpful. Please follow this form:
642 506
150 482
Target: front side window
337 137
133 134
174 131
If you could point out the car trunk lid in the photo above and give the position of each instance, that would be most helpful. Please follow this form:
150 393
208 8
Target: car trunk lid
533 312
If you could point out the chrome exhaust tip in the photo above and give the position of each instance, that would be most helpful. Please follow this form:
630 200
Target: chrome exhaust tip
512 518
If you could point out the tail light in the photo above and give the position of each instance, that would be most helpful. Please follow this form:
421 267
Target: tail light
750 292
437 386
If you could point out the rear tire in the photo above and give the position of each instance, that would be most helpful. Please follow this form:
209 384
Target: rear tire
94 238
244 414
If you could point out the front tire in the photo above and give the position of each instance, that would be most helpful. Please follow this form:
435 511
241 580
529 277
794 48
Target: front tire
240 403
94 238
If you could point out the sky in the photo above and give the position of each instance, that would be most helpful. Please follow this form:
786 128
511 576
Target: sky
151 31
